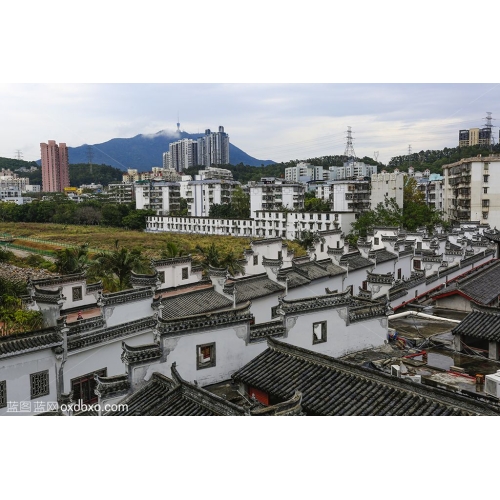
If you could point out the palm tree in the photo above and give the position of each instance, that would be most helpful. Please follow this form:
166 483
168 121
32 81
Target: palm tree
171 250
116 267
212 258
72 260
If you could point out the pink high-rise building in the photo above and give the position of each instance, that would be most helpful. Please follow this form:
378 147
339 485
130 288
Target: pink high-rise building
55 168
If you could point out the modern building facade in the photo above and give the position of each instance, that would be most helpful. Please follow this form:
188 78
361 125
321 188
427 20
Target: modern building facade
182 155
273 194
55 168
472 190
213 148
474 136
305 172
386 186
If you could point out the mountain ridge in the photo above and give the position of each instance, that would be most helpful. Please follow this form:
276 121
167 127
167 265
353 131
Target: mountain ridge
145 151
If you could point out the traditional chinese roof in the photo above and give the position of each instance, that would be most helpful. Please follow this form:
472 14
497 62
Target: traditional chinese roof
266 241
59 280
21 343
481 286
47 296
140 353
261 331
381 255
144 280
195 302
172 261
107 386
215 319
295 278
481 323
125 296
88 338
333 387
386 279
355 261
252 287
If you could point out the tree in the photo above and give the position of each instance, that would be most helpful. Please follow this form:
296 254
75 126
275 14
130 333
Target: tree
171 251
241 203
307 239
72 260
212 258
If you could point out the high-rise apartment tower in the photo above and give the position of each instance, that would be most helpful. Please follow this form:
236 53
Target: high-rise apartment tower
55 168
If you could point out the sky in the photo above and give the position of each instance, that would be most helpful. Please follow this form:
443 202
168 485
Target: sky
285 85
277 122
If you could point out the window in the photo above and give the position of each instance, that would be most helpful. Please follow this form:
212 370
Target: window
485 178
205 356
3 394
399 273
485 215
416 264
319 332
255 260
280 254
161 276
39 383
83 387
486 203
322 247
376 241
274 312
485 190
419 245
77 293
185 273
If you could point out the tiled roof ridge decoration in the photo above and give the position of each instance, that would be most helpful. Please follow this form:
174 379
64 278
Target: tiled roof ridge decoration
265 241
204 281
93 287
221 272
141 353
327 232
87 324
145 280
222 317
130 295
85 339
205 398
389 237
422 391
46 296
365 311
111 385
57 280
172 261
390 228
437 258
317 302
266 262
485 309
261 331
386 278
20 343
185 294
335 251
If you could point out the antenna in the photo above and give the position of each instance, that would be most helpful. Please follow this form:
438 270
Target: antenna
349 148
488 125
19 154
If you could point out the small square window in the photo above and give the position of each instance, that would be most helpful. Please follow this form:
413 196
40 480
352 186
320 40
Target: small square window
319 332
255 260
3 394
39 383
77 293
185 273
376 241
161 276
205 356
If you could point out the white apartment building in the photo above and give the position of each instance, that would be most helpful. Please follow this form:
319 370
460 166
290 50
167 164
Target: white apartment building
472 190
164 197
387 186
352 170
182 155
214 173
345 196
432 187
273 194
305 172
202 194
11 181
121 192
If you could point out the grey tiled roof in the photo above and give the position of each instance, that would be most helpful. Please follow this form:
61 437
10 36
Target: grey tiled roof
295 278
481 324
481 286
12 345
195 302
253 287
355 261
333 387
382 255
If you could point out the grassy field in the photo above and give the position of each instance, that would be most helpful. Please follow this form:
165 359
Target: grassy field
151 244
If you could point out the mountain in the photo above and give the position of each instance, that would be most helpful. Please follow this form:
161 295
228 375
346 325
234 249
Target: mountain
146 151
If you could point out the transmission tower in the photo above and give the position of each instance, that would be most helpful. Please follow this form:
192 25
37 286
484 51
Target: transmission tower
409 155
375 156
19 154
349 148
488 125
90 157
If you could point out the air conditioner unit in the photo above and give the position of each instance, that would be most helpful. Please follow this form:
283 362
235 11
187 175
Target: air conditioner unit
492 384
395 370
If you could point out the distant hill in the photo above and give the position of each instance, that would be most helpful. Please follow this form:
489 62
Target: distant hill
146 151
